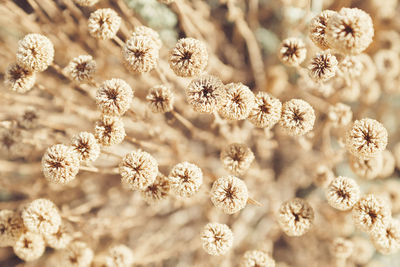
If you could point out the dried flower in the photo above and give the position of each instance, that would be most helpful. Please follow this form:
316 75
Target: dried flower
19 79
350 66
322 67
367 168
237 158
297 118
41 216
387 63
114 97
11 142
343 193
160 99
82 68
29 246
104 23
157 191
362 251
150 33
229 194
29 118
317 29
185 179
140 54
11 227
109 131
35 52
60 164
85 144
86 2
188 58
238 102
292 51
217 238
138 170
205 93
256 258
58 240
119 256
371 214
340 114
77 254
295 217
366 138
350 31
387 240
266 111
342 248
323 176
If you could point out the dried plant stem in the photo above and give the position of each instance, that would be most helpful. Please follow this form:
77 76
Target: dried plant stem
118 41
143 144
111 154
97 170
254 202
161 75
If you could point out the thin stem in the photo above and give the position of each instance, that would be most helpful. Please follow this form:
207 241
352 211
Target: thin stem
118 41
143 144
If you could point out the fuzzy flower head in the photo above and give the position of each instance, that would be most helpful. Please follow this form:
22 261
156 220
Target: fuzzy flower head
350 31
387 240
317 29
292 51
229 194
104 23
296 217
86 146
19 79
77 254
350 66
185 179
29 246
11 227
140 54
341 248
160 99
11 143
188 58
149 32
119 256
322 176
157 191
205 93
237 158
340 114
266 111
366 138
366 168
343 193
138 170
41 216
217 239
256 258
29 118
322 67
238 102
60 239
35 52
82 68
109 130
297 118
60 164
114 97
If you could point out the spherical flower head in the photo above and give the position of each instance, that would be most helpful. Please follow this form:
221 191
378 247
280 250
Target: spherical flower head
110 130
157 191
367 168
292 52
237 158
340 114
35 52
341 248
86 2
160 99
387 63
363 250
11 227
86 146
238 102
266 112
229 194
387 240
350 31
217 239
29 118
366 138
58 240
11 144
82 68
343 193
188 58
41 216
77 254
205 93
322 176
295 217
60 164
317 29
350 66
114 97
185 179
138 170
140 54
256 258
19 79
297 118
371 213
119 256
322 67
149 32
104 23
29 246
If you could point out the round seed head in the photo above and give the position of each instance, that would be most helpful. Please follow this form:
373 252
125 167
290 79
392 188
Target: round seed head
387 63
323 176
387 240
205 93
366 138
86 2
104 23
86 146
343 193
322 67
160 99
58 240
317 29
342 248
229 194
340 114
11 227
367 168
237 158
292 51
256 258
363 251
157 191
29 118
109 130
82 68
149 32
41 216
114 97
185 179
138 170
238 102
295 217
11 144
119 256
29 246
266 111
297 118
217 239
35 52
350 66
60 164
188 58
140 54
77 254
19 79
